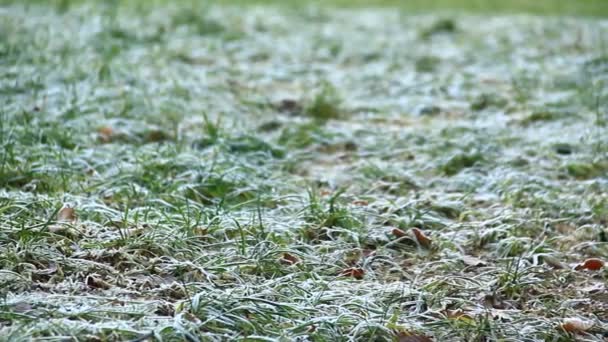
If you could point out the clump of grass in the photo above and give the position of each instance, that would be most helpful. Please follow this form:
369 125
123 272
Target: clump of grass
201 23
440 26
543 116
249 144
214 134
488 100
460 162
326 104
427 64
595 66
299 136
327 218
218 189
582 170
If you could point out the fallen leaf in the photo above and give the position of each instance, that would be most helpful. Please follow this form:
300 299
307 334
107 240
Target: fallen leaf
96 282
592 264
105 134
398 232
472 261
494 301
289 259
361 202
412 337
66 214
576 325
422 239
354 272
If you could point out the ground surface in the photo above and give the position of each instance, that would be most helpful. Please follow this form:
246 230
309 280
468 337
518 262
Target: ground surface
258 174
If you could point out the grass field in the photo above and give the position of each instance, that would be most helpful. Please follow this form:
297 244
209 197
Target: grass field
177 171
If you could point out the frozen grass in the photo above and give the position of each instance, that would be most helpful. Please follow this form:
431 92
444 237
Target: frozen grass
258 174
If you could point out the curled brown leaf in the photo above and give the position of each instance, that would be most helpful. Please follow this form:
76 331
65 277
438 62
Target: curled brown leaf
66 214
592 264
289 259
398 232
576 325
422 239
353 272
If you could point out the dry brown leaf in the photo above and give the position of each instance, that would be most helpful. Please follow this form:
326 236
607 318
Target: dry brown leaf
361 202
398 232
66 214
576 325
422 239
592 264
354 272
472 261
412 337
289 259
96 282
105 134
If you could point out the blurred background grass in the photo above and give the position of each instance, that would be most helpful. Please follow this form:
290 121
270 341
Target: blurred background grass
593 8
546 7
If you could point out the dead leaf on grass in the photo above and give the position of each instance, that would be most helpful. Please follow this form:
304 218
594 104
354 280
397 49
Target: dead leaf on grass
576 324
66 214
361 203
398 232
422 239
95 282
289 259
406 336
354 272
106 134
592 264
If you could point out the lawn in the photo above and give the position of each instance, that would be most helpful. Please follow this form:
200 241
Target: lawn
175 171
